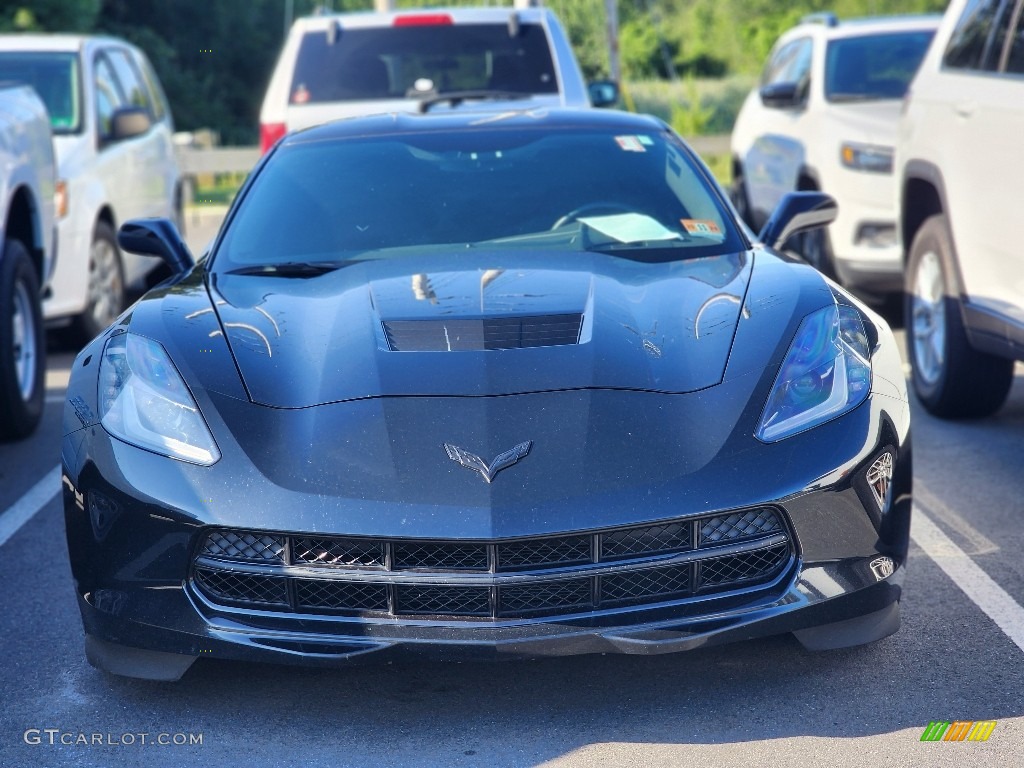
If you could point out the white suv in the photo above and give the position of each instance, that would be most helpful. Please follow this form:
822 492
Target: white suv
115 161
348 64
959 165
824 118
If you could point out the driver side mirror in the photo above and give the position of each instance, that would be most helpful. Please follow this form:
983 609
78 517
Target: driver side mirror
156 237
782 95
603 93
798 212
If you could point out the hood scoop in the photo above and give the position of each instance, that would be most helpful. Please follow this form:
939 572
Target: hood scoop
476 334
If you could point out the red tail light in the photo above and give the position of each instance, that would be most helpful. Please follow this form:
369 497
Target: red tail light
423 20
270 134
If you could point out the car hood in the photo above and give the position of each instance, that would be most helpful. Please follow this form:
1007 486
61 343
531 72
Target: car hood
488 324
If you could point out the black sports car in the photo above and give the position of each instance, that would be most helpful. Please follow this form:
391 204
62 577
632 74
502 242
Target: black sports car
483 385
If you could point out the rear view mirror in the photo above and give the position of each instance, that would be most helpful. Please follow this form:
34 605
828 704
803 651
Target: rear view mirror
798 212
128 122
603 93
156 237
782 95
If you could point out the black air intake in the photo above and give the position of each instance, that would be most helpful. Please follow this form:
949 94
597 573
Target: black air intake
475 334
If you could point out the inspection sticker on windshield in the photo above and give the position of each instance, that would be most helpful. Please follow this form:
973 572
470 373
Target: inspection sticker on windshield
700 227
630 143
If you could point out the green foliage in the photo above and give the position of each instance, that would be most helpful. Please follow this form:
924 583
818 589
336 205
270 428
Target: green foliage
693 106
691 117
48 15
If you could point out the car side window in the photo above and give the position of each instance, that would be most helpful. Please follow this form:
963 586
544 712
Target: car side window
1012 61
156 95
128 76
978 37
789 64
108 95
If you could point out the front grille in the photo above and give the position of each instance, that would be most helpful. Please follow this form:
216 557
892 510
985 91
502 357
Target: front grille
475 334
549 575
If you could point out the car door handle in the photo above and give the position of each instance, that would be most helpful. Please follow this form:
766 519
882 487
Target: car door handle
965 108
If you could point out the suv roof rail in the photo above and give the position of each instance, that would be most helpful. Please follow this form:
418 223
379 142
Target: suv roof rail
827 18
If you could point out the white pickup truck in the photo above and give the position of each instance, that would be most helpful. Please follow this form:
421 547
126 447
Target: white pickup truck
27 178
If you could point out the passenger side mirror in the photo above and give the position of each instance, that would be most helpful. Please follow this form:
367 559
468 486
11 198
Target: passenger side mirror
603 93
782 95
156 237
129 122
798 212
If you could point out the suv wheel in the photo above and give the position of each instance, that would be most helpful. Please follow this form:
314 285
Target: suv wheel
950 377
740 199
106 295
22 344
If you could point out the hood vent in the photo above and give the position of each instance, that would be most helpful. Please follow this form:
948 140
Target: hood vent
475 334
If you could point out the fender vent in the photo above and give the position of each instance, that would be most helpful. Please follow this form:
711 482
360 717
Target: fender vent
475 334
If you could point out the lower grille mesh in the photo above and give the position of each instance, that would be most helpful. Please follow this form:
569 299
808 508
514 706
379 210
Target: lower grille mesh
544 576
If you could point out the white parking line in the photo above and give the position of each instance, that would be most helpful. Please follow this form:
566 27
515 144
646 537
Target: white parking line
37 497
969 577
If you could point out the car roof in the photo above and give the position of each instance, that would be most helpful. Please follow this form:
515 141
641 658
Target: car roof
868 25
466 120
495 15
59 42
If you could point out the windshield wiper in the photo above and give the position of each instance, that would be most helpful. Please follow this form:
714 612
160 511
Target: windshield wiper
291 268
455 98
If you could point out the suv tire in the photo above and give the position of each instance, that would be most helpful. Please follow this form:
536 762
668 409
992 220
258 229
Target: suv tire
22 344
950 377
106 294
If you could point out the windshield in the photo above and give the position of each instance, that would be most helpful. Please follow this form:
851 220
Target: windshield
389 62
55 78
638 195
873 67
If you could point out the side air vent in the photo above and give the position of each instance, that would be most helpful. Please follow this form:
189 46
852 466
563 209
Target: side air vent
475 334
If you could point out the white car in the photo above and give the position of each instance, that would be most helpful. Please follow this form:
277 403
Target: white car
115 161
824 118
959 165
27 178
343 65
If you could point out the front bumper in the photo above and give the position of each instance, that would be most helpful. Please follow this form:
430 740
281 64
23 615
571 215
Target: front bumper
839 584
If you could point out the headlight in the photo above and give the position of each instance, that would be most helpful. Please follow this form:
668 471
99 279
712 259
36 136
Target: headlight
825 373
144 401
866 157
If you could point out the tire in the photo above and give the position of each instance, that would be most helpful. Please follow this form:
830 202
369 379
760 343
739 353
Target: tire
950 378
106 292
741 200
22 344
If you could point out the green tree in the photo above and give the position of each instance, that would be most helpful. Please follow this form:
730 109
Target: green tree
48 15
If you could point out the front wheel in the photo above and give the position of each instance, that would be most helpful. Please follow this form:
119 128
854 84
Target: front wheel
106 294
950 377
22 344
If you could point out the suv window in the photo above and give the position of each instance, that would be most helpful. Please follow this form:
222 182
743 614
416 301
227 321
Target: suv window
789 64
55 77
977 40
1013 55
383 63
108 95
131 84
874 66
156 94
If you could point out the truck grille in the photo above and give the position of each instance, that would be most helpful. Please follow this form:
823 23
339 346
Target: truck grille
502 579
